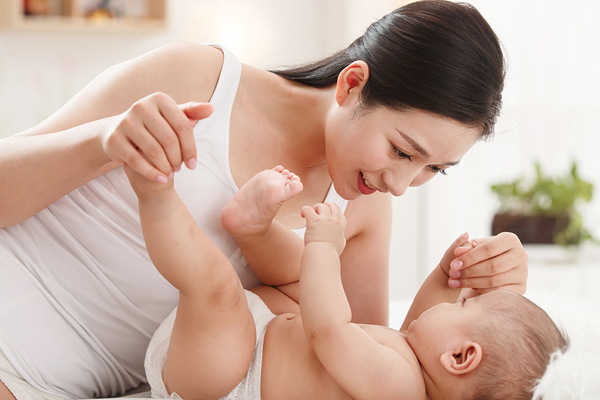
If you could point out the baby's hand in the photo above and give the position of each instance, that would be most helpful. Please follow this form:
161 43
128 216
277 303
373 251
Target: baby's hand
325 223
143 186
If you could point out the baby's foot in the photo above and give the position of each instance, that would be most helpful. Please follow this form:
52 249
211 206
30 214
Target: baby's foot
250 212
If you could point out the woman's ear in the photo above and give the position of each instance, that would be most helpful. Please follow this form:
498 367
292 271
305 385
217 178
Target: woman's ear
351 82
463 360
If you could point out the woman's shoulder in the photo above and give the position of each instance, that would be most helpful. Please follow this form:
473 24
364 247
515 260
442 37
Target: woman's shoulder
372 212
186 71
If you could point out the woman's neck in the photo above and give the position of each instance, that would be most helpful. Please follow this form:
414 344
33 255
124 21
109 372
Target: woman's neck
298 114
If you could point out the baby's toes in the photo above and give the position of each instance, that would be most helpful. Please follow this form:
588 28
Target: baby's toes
295 187
293 177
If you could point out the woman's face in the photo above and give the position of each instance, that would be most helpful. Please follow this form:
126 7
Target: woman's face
388 151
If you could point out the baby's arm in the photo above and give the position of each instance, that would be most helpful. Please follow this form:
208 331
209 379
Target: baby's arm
363 368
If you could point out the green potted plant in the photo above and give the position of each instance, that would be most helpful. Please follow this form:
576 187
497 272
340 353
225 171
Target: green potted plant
544 210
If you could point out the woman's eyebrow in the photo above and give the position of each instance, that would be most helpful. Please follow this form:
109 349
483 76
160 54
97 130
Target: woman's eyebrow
420 149
414 144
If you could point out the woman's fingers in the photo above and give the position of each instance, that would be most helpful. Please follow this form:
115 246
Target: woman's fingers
140 164
194 112
161 131
119 147
147 139
512 280
496 262
449 255
492 267
488 248
197 111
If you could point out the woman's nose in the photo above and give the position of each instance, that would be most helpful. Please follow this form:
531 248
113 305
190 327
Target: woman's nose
399 180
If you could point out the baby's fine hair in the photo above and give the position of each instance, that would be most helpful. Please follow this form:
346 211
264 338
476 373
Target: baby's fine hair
518 339
432 55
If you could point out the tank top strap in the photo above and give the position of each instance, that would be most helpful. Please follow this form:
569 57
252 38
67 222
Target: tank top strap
212 133
229 79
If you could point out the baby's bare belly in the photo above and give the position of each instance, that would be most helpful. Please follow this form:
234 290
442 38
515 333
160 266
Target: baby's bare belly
290 368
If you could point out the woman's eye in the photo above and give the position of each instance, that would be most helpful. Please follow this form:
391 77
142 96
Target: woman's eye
401 154
436 170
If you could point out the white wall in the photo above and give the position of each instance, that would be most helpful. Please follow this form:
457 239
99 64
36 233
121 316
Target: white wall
550 114
39 71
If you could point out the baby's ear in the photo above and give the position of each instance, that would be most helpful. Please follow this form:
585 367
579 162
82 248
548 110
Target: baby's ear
462 360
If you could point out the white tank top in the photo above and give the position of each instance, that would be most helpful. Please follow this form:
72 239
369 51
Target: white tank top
79 296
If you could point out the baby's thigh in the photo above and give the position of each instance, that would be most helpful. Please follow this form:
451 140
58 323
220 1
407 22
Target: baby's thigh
211 346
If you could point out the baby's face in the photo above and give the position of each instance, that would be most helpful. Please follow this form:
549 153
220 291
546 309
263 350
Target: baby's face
447 324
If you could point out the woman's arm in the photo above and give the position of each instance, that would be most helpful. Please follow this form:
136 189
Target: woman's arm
435 289
365 260
85 138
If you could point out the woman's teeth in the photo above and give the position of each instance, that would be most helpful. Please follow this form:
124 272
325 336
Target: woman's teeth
368 185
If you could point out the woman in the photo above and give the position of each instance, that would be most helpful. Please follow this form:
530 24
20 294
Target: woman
401 104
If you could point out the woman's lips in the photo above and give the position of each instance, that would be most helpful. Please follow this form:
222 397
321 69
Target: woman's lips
362 185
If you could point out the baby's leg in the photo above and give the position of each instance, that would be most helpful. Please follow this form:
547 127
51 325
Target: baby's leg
272 250
213 337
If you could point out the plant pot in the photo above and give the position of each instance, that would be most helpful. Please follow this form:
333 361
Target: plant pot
529 228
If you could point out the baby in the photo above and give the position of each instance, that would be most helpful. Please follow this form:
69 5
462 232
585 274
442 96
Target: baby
225 342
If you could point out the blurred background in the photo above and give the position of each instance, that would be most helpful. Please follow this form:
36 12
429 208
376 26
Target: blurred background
550 115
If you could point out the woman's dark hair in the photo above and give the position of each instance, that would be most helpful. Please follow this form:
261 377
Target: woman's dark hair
433 55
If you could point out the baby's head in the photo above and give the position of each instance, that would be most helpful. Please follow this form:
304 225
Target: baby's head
494 346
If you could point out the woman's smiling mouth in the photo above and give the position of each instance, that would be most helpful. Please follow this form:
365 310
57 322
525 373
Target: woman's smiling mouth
363 186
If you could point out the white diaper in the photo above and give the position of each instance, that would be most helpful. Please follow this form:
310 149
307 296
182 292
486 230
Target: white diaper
248 388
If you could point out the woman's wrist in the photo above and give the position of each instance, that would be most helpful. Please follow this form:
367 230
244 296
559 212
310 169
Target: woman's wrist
444 271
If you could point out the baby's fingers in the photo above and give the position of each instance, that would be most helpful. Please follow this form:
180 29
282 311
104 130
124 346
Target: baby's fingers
334 210
308 213
323 209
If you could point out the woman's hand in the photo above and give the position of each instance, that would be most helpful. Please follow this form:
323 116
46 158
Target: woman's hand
155 136
497 262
